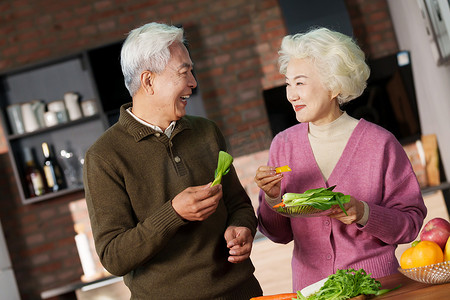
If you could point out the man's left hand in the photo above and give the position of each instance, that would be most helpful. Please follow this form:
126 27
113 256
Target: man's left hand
239 241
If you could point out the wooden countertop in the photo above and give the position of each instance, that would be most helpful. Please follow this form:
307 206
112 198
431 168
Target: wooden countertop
411 289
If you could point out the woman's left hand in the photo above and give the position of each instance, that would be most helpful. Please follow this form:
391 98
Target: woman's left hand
354 208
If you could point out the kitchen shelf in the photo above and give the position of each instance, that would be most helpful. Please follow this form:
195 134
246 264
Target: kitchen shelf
442 187
54 195
53 128
92 74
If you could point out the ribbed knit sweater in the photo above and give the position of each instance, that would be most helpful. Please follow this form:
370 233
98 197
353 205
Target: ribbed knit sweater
374 168
131 174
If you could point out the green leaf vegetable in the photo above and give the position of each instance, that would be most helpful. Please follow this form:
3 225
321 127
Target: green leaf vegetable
346 284
321 198
223 167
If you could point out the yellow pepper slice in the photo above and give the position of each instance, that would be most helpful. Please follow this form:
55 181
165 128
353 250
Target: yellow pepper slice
283 169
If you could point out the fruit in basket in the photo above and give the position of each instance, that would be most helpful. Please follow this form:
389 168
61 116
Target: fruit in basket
447 250
436 230
421 254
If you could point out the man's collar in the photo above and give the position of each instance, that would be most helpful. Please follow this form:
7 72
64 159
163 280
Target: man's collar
167 132
140 131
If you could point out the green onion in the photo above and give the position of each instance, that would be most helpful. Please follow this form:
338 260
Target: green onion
223 167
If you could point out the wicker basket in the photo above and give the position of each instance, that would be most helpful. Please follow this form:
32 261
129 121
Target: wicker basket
432 274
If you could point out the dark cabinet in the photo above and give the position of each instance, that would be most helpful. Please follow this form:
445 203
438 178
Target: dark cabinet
95 76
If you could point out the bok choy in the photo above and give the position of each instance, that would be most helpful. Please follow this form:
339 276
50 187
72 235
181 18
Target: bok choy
320 198
223 167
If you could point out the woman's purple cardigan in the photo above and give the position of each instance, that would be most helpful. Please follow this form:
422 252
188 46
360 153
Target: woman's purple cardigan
373 168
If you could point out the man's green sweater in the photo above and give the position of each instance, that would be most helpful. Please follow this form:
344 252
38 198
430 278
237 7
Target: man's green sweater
131 175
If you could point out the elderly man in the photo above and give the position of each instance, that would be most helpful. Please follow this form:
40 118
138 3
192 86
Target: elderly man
156 219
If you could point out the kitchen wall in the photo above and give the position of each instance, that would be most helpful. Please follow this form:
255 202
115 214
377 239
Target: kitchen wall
234 46
431 80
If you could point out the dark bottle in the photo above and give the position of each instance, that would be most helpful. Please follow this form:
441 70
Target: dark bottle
33 175
52 170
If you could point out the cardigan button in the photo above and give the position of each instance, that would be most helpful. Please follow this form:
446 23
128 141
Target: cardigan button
329 256
157 134
177 159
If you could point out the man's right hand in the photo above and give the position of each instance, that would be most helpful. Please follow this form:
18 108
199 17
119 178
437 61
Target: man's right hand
197 203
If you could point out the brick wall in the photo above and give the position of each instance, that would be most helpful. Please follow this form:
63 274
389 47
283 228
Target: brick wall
234 46
40 238
372 27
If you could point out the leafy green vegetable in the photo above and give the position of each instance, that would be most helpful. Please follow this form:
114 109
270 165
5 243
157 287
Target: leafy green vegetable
384 291
223 167
320 198
346 284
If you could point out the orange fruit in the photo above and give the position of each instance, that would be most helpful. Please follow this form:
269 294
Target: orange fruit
447 250
423 254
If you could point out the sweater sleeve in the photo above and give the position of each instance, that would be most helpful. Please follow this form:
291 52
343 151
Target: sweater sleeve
273 225
121 243
239 206
399 216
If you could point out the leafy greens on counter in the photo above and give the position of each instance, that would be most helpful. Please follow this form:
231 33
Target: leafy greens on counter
346 284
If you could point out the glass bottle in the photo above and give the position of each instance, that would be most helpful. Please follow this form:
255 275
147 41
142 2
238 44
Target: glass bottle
52 170
33 175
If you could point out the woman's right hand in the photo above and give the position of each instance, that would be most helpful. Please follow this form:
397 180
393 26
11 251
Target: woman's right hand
269 181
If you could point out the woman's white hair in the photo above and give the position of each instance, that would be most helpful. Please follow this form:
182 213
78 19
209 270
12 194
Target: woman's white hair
338 59
147 49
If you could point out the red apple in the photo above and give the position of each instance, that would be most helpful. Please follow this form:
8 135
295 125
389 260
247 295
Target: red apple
436 230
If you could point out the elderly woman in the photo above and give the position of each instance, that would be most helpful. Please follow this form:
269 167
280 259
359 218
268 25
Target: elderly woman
325 69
